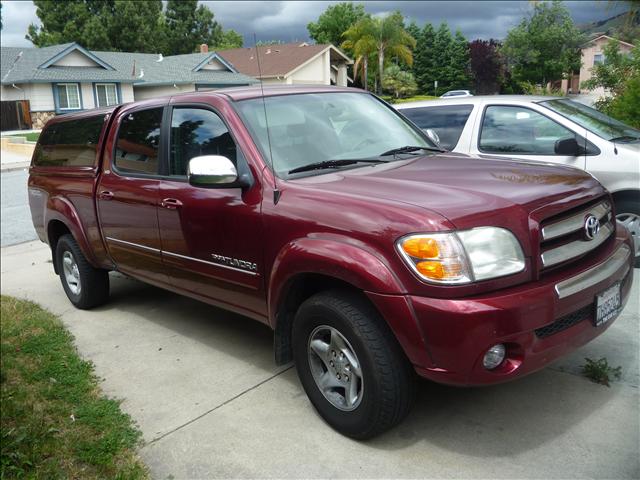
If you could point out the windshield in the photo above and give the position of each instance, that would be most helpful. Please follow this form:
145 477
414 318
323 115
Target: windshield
308 128
594 121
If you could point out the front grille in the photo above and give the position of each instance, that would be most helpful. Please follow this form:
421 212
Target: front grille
585 313
563 239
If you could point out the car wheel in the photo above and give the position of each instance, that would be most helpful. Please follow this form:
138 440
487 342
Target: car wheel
85 286
350 365
628 213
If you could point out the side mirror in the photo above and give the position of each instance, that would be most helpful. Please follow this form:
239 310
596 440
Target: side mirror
568 147
213 171
433 136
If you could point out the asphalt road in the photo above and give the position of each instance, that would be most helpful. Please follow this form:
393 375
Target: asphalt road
15 217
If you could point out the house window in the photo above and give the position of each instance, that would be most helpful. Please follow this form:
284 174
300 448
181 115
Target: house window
598 58
68 96
106 94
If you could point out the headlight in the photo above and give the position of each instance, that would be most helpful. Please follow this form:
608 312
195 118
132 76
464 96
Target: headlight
462 257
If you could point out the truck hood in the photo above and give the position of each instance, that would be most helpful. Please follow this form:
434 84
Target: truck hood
468 191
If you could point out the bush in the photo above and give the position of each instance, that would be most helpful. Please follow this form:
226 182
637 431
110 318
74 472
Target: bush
398 82
626 105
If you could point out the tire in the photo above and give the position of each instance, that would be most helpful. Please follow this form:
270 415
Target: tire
345 322
86 287
628 213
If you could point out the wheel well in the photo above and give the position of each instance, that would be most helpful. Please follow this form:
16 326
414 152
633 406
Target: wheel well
299 288
629 195
55 230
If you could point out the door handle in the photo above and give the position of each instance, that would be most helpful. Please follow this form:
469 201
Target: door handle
171 203
105 195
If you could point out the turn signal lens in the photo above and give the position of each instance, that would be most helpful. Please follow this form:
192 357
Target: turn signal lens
436 257
433 270
421 247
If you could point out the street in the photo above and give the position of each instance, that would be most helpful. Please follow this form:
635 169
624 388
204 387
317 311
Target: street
202 385
15 218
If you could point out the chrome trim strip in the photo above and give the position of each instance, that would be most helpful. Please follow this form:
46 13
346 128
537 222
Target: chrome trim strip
131 244
575 222
184 257
595 274
575 249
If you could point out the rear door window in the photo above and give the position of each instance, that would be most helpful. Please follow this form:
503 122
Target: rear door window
138 142
447 121
73 143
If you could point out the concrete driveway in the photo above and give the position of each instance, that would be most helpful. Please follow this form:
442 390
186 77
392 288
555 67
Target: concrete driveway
202 385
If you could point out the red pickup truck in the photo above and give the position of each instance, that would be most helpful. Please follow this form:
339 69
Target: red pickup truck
328 216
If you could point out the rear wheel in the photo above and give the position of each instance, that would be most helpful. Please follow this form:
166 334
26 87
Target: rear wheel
350 365
85 286
628 213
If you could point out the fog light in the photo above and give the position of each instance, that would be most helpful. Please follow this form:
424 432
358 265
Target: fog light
493 357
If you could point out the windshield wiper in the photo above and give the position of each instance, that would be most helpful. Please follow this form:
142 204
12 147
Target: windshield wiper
334 164
629 138
409 149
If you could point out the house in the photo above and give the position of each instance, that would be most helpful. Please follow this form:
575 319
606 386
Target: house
592 54
38 83
291 63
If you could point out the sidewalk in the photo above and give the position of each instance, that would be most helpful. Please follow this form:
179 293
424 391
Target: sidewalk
13 161
202 385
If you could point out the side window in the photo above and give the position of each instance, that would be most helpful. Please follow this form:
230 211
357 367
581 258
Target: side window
196 132
138 142
73 143
512 129
448 121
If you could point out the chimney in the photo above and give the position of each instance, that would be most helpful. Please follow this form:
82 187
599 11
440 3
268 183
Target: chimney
204 48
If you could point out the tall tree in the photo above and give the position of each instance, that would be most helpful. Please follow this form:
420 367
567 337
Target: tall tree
360 41
230 39
388 36
189 25
487 67
424 59
544 46
442 45
99 24
457 71
334 21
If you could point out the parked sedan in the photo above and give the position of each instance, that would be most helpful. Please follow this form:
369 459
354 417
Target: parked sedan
457 93
545 129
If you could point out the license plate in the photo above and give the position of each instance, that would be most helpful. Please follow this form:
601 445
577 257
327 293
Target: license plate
607 305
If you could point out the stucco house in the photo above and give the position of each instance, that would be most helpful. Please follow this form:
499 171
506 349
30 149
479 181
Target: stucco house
291 63
42 82
592 54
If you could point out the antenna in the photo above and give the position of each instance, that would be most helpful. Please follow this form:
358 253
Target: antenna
276 192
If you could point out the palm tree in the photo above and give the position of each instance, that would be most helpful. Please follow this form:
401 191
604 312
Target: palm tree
385 35
360 40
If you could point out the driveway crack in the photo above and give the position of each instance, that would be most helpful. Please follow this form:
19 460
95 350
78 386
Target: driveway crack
253 387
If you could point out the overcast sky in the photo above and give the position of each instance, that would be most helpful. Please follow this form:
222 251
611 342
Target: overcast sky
287 21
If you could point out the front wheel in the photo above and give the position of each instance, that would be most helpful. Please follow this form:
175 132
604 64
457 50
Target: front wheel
628 213
350 365
85 286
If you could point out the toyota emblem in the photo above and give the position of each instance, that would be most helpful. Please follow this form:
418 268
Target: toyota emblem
591 227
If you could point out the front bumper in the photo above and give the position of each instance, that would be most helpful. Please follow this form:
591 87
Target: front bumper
537 322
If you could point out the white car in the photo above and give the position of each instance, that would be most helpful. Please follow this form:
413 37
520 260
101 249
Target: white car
545 129
457 93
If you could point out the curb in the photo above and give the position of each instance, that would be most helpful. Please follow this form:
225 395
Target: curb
12 167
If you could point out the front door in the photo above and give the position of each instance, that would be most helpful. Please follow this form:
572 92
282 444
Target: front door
211 237
127 194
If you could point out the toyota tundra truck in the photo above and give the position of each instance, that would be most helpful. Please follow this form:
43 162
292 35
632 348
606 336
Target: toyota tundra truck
324 214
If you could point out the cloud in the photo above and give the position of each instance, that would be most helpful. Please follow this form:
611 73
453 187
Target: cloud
287 20
16 17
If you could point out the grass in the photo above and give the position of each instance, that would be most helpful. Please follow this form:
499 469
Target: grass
55 421
31 136
599 371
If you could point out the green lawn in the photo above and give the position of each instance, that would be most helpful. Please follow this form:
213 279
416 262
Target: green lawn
55 421
31 137
413 99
